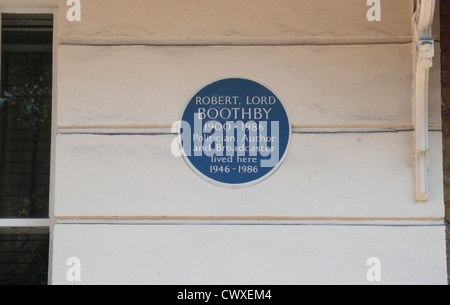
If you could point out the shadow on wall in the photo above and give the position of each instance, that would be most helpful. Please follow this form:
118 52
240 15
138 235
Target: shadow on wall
445 45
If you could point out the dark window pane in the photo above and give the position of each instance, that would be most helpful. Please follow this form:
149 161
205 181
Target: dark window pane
25 115
24 259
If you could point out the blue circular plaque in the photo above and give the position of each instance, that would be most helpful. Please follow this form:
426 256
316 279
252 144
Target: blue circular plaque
235 132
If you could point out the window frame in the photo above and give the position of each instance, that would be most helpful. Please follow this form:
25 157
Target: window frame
38 225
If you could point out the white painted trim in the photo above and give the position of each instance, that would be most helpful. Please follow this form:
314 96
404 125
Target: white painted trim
29 3
24 222
54 123
25 226
54 133
28 10
424 53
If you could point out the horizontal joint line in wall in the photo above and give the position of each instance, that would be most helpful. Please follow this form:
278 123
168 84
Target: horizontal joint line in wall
299 129
216 220
243 218
231 41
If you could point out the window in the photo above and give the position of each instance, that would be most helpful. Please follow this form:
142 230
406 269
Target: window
25 146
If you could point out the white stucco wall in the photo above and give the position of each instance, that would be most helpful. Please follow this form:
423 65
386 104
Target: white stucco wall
338 175
374 84
249 255
347 84
234 21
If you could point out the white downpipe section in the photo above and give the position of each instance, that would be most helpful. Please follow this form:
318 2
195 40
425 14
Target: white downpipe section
424 43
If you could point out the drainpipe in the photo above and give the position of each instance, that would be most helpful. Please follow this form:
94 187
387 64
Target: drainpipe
423 55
